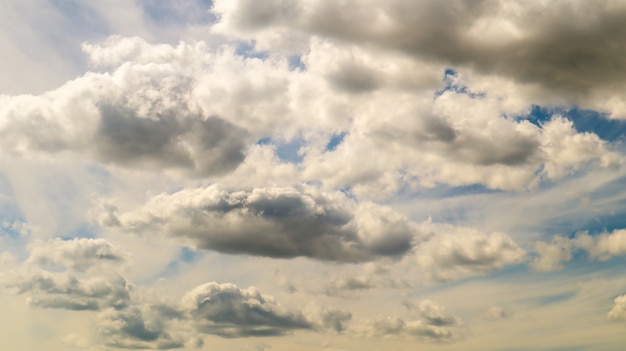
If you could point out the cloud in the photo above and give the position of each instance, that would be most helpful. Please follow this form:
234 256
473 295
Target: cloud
227 311
496 313
564 48
426 143
130 328
436 324
64 291
280 222
78 254
77 274
456 252
551 255
618 312
600 247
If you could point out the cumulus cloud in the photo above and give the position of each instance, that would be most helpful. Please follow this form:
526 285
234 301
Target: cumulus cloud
132 328
274 222
456 139
618 312
226 310
78 254
137 117
563 48
435 325
77 274
456 252
551 255
602 247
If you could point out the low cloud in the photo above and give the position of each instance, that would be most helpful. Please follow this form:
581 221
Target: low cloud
78 254
601 247
281 222
618 312
456 252
226 310
435 324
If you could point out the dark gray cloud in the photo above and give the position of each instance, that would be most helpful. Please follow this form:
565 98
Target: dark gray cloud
568 47
204 145
274 222
131 329
227 311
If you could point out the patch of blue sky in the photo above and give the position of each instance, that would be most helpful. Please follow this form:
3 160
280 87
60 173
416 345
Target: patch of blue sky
185 256
102 176
450 78
80 15
585 121
247 49
552 299
82 231
295 63
189 12
443 191
335 141
286 151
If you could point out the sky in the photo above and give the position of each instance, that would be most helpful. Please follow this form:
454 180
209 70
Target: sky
299 175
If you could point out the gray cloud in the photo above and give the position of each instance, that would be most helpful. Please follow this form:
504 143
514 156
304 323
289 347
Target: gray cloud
141 116
227 311
77 274
205 145
132 328
50 290
274 222
570 47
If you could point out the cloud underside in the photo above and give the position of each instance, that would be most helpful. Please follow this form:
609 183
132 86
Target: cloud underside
328 226
567 48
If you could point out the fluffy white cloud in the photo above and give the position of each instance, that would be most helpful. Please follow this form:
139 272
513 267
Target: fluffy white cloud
618 312
551 255
456 252
435 325
601 247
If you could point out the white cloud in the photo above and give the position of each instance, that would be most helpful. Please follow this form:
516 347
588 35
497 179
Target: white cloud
456 252
602 247
78 254
435 325
618 312
551 255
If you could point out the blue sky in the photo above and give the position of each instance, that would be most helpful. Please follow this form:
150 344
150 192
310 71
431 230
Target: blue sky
307 175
